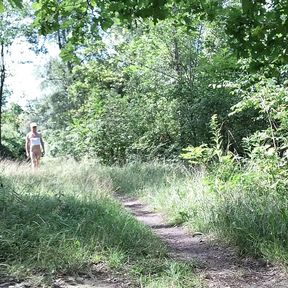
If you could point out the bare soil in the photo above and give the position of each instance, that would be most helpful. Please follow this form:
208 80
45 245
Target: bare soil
219 266
99 276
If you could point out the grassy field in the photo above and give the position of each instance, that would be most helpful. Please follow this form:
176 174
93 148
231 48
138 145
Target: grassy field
62 218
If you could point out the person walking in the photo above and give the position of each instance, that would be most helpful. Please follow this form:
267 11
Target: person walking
33 145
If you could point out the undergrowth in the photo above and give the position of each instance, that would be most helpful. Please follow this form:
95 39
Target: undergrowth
243 202
62 219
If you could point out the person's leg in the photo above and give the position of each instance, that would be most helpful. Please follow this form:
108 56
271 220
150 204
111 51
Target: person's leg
35 158
32 157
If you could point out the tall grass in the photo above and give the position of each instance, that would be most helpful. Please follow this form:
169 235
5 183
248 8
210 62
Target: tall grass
244 204
181 194
63 218
252 209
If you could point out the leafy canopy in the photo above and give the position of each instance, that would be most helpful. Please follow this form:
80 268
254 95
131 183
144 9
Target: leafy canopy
258 28
13 3
253 25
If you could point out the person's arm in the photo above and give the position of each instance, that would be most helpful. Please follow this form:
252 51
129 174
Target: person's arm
27 145
42 144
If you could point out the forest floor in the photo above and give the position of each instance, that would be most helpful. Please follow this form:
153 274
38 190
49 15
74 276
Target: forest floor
217 265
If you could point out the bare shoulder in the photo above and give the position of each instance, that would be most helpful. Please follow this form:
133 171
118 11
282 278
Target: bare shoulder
28 135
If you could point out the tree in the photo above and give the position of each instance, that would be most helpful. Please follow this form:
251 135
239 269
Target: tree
13 128
260 30
10 3
13 25
141 98
9 30
252 25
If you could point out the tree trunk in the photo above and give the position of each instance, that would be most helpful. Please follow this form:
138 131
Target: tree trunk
2 80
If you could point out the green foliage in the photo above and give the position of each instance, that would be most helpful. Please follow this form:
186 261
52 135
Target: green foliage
198 155
258 25
13 3
251 209
252 26
269 97
11 27
13 140
148 106
203 154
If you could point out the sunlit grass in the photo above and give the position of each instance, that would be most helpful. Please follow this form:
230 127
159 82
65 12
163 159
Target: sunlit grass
169 273
63 218
246 206
179 193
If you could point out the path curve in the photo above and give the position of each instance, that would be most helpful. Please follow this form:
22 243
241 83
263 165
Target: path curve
218 266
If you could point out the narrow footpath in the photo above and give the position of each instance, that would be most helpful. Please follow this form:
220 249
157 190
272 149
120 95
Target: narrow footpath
218 266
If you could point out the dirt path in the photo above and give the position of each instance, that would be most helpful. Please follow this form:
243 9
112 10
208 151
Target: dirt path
219 266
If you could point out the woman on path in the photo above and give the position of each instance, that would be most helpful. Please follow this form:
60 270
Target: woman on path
33 145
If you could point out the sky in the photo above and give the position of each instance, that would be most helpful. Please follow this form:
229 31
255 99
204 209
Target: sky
23 71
